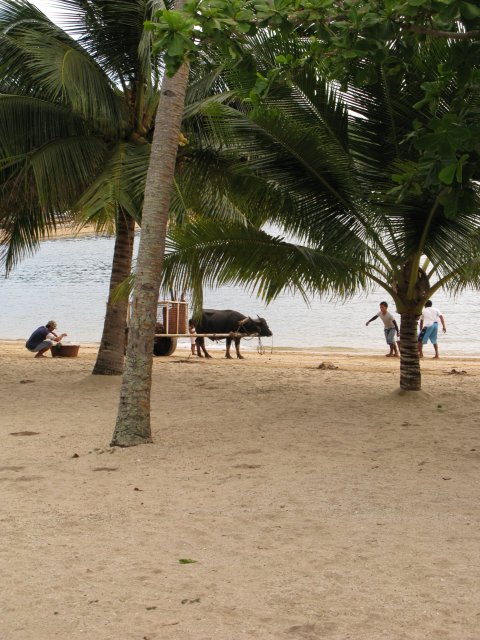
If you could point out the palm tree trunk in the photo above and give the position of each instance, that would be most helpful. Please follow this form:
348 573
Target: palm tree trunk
112 347
133 420
410 376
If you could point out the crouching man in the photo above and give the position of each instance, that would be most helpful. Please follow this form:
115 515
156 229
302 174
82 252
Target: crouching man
43 339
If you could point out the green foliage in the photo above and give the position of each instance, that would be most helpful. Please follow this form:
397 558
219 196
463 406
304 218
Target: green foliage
356 43
75 116
350 182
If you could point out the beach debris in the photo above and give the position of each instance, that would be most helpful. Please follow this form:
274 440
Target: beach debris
446 478
187 561
105 469
25 433
457 372
26 381
327 365
75 455
247 466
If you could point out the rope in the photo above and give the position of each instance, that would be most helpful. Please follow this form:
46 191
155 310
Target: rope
261 349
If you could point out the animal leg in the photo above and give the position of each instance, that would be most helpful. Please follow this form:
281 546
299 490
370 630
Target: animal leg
237 348
200 342
227 352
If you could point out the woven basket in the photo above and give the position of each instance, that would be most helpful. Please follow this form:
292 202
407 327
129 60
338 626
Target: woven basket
65 350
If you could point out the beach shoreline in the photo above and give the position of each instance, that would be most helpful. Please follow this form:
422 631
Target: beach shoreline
277 500
66 231
315 351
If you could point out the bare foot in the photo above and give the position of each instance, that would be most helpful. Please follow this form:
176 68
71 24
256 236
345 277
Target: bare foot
436 358
40 355
388 355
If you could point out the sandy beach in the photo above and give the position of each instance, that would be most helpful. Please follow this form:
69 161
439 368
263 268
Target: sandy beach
312 503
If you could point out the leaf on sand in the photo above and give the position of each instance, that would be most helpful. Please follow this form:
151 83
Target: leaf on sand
187 561
24 433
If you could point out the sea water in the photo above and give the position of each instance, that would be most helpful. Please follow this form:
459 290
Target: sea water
67 280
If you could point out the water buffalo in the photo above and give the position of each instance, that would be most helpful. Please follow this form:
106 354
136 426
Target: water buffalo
226 321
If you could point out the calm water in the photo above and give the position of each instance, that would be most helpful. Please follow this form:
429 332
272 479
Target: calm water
67 280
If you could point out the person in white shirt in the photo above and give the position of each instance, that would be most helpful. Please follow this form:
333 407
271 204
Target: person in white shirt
390 328
429 328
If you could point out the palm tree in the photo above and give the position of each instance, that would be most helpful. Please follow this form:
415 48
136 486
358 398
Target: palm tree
338 165
133 420
87 102
90 117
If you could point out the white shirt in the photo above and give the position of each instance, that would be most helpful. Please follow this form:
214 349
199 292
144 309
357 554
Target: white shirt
430 315
387 319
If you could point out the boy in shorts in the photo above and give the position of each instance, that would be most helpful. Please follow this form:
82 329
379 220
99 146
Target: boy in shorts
390 328
429 328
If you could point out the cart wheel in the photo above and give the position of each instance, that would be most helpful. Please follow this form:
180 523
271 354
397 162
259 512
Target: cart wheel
164 346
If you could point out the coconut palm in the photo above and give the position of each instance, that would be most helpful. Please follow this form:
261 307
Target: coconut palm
76 118
349 197
133 420
89 105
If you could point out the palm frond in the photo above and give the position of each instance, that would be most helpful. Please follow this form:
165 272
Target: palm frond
208 253
120 186
39 59
113 34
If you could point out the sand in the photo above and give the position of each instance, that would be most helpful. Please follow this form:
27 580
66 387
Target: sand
315 503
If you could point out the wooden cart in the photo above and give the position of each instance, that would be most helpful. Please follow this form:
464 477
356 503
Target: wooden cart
172 323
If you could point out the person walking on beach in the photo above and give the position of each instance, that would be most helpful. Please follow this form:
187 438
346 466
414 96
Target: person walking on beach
390 328
43 339
429 328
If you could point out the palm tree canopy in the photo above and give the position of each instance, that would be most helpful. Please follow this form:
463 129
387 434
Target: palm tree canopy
73 111
328 168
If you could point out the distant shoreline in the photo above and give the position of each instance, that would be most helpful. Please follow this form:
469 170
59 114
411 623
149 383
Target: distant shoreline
69 231
65 231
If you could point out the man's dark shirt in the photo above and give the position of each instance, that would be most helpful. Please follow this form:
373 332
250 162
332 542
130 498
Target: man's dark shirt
37 337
